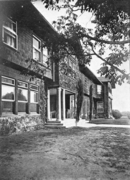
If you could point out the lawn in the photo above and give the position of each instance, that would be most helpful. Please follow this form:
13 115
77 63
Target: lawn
111 121
68 154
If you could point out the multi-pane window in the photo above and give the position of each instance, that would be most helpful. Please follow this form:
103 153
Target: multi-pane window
36 48
33 94
46 57
22 91
34 98
8 94
99 89
22 96
8 89
16 96
9 33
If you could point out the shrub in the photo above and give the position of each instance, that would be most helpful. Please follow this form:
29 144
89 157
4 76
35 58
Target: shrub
116 114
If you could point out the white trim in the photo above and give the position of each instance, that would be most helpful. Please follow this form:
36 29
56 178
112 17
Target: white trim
6 100
12 100
38 97
22 101
48 104
64 103
24 83
35 86
39 41
6 82
11 33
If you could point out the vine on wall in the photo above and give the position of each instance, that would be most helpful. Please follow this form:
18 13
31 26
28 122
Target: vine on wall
43 101
39 72
79 98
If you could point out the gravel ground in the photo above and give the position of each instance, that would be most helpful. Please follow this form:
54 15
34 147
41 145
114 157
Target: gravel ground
97 153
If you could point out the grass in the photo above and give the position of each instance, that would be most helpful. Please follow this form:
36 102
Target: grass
112 121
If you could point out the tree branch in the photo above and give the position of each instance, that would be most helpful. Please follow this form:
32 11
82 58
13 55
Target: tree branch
115 67
104 41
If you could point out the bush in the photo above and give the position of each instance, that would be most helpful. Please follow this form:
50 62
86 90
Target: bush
116 114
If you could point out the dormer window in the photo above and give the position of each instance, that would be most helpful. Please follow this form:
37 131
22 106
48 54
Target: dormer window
36 48
9 33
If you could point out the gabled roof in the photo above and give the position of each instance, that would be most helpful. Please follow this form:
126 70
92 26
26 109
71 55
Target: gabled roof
88 73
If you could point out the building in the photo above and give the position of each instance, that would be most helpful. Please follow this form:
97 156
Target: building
104 106
23 40
62 93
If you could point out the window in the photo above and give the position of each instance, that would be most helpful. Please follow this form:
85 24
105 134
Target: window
22 96
99 89
9 33
33 94
8 89
15 99
46 57
22 91
100 107
34 98
36 48
8 94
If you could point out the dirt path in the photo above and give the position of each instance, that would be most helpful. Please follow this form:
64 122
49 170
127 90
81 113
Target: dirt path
70 154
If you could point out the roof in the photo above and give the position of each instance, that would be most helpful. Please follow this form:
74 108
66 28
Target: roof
88 73
26 13
103 79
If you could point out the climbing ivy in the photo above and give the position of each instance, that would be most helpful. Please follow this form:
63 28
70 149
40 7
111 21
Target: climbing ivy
79 98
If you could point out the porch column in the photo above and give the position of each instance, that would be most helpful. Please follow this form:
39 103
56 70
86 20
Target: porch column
59 104
64 104
48 104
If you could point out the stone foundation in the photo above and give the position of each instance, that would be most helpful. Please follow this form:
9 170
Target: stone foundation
18 124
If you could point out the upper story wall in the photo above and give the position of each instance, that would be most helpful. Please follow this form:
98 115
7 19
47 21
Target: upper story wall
23 37
69 73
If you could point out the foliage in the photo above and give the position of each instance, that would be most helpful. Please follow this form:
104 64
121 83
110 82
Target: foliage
110 33
37 71
43 102
126 113
79 98
116 114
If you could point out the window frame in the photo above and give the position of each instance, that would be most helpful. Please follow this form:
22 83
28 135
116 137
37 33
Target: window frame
25 88
36 91
10 32
7 84
34 47
47 57
99 92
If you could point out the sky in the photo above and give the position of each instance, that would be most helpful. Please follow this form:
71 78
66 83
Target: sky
121 94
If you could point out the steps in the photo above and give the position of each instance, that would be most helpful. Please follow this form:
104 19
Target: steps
54 124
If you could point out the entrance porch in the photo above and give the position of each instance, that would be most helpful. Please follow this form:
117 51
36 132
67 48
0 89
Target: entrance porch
60 104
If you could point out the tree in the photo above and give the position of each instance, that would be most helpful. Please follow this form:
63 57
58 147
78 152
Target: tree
111 32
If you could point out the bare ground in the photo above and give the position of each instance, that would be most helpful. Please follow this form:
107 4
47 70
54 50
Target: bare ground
69 154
